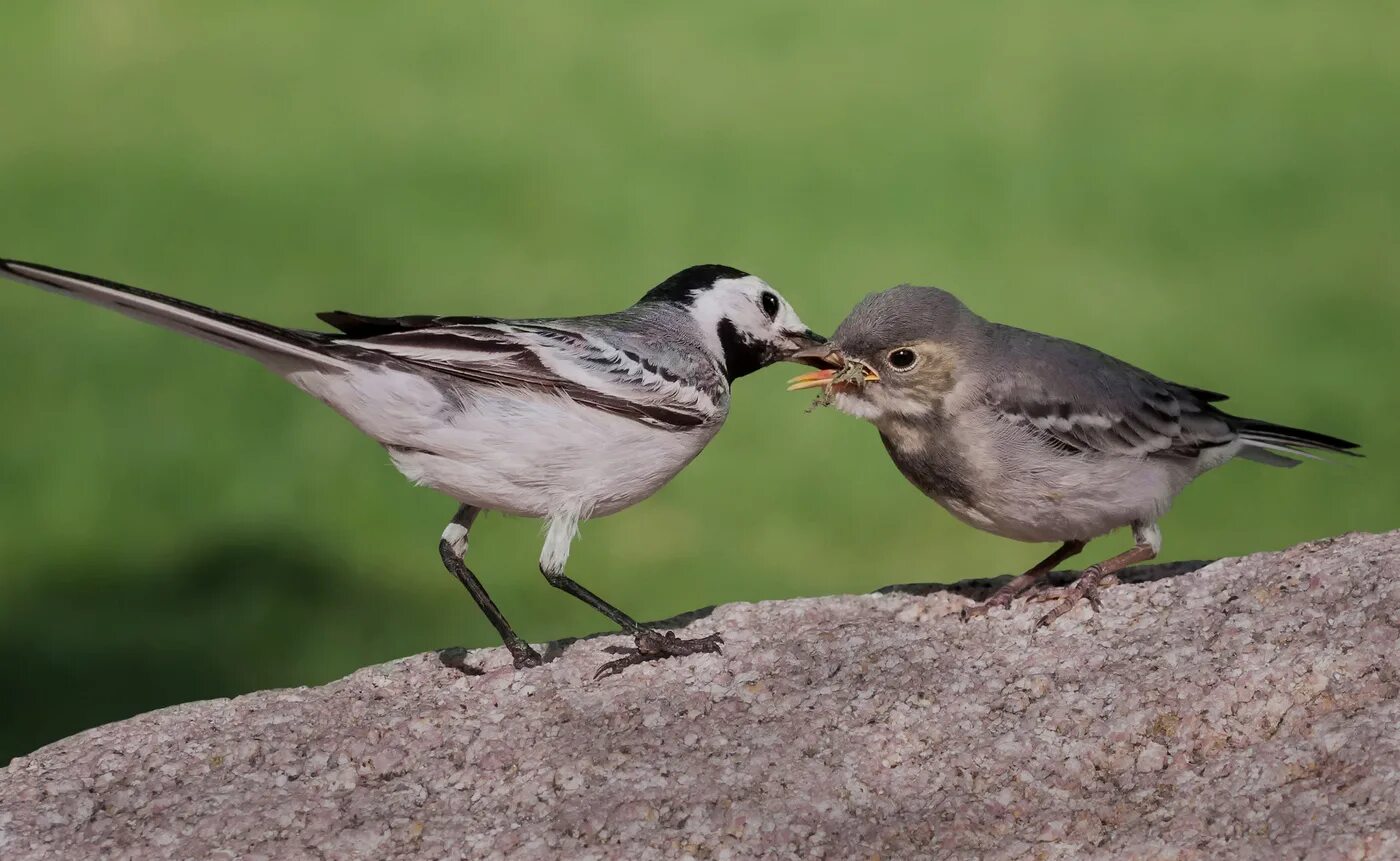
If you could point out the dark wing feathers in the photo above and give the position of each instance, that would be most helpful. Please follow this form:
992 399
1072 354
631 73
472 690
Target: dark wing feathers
363 326
1083 401
1205 394
1293 439
535 356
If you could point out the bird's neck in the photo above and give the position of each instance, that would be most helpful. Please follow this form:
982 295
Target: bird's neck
741 356
924 451
737 354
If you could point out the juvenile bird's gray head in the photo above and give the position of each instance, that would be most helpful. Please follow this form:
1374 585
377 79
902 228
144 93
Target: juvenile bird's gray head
896 354
744 323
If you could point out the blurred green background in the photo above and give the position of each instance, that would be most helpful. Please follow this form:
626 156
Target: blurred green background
1209 190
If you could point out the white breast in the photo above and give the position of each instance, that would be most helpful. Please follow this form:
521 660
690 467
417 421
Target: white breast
517 452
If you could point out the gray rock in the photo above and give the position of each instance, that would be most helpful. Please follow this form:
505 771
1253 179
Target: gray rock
1247 709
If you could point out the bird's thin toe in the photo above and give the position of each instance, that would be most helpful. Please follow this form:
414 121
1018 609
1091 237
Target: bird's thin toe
983 608
655 646
967 614
527 659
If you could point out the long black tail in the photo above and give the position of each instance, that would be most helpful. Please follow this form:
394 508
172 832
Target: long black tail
277 347
1264 441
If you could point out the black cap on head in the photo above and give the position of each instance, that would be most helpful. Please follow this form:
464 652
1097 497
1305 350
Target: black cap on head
680 288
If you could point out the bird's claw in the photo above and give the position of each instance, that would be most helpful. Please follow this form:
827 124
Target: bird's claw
1017 588
1086 588
983 608
525 658
655 646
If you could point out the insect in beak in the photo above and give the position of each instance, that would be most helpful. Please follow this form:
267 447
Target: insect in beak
844 372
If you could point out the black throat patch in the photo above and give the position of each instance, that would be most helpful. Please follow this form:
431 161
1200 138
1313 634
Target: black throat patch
742 356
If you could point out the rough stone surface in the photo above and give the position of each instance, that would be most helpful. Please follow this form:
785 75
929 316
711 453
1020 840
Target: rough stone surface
1245 709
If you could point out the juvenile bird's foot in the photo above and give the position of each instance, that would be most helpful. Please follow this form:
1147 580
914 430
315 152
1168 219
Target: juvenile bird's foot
1086 587
1003 598
1028 582
1102 574
655 646
1000 599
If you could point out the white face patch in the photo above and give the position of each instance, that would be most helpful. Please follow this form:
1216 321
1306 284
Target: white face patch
740 301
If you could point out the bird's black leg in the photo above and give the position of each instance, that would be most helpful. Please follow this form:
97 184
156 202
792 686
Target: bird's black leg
651 645
453 547
1149 543
1024 583
558 580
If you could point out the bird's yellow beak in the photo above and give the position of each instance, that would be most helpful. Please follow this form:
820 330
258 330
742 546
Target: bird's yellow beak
811 380
826 377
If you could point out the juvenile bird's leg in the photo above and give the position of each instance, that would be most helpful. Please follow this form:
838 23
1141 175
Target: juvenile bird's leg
650 645
1019 585
453 547
1149 544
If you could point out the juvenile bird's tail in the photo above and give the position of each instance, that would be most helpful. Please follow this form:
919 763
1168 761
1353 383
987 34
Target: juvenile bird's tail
1269 443
281 349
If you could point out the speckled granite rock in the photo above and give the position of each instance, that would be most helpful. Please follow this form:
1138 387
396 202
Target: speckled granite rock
1248 709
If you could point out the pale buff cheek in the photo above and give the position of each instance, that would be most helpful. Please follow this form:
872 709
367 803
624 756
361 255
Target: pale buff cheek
874 403
908 404
858 405
938 374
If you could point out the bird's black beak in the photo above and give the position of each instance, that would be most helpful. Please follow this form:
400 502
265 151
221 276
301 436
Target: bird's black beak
803 342
822 354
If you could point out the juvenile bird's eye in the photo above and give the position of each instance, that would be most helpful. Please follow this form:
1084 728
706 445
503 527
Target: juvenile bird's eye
770 304
902 359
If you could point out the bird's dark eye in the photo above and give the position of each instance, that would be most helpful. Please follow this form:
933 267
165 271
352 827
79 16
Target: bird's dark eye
770 304
902 359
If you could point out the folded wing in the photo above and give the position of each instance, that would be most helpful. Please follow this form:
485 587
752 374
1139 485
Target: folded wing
538 356
1082 401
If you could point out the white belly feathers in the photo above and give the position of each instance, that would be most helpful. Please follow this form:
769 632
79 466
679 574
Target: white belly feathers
516 452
